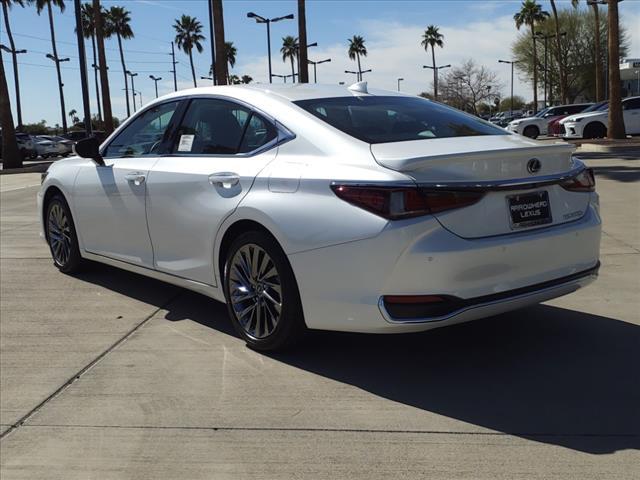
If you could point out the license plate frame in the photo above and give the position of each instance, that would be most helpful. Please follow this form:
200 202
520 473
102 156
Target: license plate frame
527 217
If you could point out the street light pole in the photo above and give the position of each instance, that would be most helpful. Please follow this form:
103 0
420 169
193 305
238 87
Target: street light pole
437 70
133 88
399 80
315 75
155 81
14 53
512 62
358 74
173 70
57 60
268 22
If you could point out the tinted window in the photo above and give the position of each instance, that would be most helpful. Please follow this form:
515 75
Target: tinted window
144 134
258 133
632 104
212 126
396 119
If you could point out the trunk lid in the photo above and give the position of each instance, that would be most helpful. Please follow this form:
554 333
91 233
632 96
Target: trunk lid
493 159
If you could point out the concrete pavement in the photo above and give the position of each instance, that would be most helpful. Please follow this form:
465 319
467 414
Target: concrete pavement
118 376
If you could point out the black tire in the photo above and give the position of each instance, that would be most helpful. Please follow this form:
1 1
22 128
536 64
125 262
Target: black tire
531 131
257 294
595 130
59 225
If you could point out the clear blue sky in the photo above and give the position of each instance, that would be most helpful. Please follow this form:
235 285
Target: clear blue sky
482 30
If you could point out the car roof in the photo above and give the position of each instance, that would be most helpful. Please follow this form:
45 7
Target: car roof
291 92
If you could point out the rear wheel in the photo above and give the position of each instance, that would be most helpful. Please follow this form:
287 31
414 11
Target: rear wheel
262 293
595 130
531 131
61 235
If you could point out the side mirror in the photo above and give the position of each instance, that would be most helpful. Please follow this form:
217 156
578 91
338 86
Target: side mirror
89 148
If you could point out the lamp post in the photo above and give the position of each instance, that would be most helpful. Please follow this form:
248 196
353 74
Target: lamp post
512 63
155 81
399 80
437 70
133 88
15 78
292 76
358 74
206 78
57 60
268 22
547 79
314 44
315 76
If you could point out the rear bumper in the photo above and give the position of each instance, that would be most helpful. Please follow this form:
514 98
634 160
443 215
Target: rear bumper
341 286
469 309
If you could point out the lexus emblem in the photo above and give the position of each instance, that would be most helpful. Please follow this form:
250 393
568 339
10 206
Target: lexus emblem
533 166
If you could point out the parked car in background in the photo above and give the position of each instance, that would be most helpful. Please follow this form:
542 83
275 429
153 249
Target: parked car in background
63 145
537 125
327 207
45 148
556 129
26 145
594 124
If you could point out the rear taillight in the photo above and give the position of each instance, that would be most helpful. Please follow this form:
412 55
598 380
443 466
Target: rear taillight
585 181
396 203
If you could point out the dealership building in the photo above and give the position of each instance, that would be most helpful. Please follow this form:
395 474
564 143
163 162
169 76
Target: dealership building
630 77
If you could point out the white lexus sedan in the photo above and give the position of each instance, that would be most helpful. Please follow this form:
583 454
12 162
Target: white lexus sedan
538 124
327 207
594 124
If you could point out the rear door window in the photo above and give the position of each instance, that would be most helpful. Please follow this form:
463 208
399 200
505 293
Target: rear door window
374 119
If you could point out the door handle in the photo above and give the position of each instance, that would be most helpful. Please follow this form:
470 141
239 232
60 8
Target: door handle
137 178
224 179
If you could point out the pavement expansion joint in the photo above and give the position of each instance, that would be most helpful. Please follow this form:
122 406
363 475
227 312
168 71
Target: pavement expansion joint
21 422
338 430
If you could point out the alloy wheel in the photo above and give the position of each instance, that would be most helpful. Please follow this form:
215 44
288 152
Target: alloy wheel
255 291
59 230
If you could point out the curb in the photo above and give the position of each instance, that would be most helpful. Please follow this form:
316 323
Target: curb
33 168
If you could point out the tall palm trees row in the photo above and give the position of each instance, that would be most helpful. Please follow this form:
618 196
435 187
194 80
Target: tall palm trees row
532 14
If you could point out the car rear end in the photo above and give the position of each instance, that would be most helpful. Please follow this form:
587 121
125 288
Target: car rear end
485 222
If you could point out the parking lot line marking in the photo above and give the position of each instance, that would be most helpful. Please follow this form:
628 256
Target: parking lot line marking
85 369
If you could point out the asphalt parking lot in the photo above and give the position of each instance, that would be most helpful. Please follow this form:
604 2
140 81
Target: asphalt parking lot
111 375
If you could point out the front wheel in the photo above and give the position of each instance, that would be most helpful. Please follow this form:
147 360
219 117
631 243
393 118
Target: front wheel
595 130
262 293
61 236
531 132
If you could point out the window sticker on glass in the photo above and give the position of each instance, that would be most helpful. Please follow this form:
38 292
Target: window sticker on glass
186 142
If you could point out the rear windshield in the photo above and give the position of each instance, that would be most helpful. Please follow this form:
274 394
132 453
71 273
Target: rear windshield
396 119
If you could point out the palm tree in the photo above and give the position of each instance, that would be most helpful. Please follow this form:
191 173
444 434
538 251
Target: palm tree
246 79
6 5
88 31
616 121
118 23
221 71
530 14
231 53
290 50
73 115
10 154
188 35
433 38
40 5
99 20
356 49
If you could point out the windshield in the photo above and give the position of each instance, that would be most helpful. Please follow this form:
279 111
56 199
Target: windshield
396 119
597 106
541 112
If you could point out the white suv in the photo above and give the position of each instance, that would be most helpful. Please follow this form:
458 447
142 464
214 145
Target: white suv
537 125
594 124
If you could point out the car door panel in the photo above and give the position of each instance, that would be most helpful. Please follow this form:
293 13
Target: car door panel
110 199
215 158
187 204
110 209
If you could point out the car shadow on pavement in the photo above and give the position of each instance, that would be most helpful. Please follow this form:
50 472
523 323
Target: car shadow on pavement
618 173
544 373
549 374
